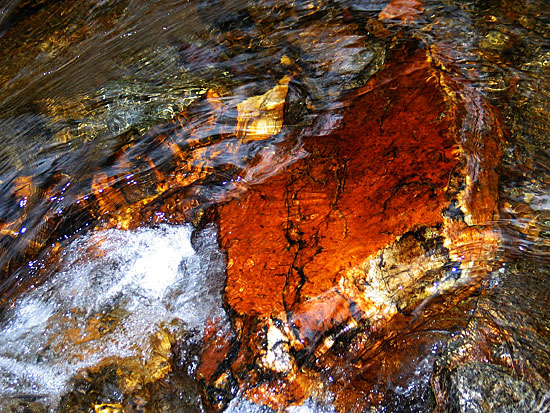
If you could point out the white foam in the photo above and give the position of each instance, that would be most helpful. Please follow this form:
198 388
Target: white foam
145 277
313 404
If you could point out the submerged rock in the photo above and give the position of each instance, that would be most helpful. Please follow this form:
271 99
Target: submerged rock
484 387
347 248
121 323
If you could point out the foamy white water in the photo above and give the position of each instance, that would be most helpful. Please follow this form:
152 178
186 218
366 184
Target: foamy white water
141 278
310 405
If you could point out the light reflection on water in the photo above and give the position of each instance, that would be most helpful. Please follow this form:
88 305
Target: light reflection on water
91 83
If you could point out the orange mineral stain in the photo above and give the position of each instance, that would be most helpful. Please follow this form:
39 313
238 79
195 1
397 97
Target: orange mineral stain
346 241
383 173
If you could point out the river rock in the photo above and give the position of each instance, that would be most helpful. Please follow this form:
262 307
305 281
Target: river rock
345 248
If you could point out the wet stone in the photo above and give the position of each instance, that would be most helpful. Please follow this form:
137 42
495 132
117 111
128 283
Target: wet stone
20 405
482 387
358 235
116 328
99 389
498 360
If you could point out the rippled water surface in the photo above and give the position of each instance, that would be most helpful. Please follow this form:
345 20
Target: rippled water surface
126 126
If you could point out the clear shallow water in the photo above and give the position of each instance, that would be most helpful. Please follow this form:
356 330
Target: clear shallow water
80 86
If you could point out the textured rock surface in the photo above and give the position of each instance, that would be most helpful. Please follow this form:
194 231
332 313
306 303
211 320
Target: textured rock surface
382 175
347 243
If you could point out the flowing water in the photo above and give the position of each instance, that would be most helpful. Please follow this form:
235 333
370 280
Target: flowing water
122 130
146 277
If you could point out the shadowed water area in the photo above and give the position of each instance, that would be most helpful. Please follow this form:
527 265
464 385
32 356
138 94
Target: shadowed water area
332 206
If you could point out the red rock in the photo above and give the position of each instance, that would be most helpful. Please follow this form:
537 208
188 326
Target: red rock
306 248
383 174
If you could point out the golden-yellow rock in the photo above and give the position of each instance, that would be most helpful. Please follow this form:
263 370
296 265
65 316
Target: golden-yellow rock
108 408
262 116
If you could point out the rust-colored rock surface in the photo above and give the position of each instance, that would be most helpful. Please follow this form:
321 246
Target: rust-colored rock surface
382 174
365 228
